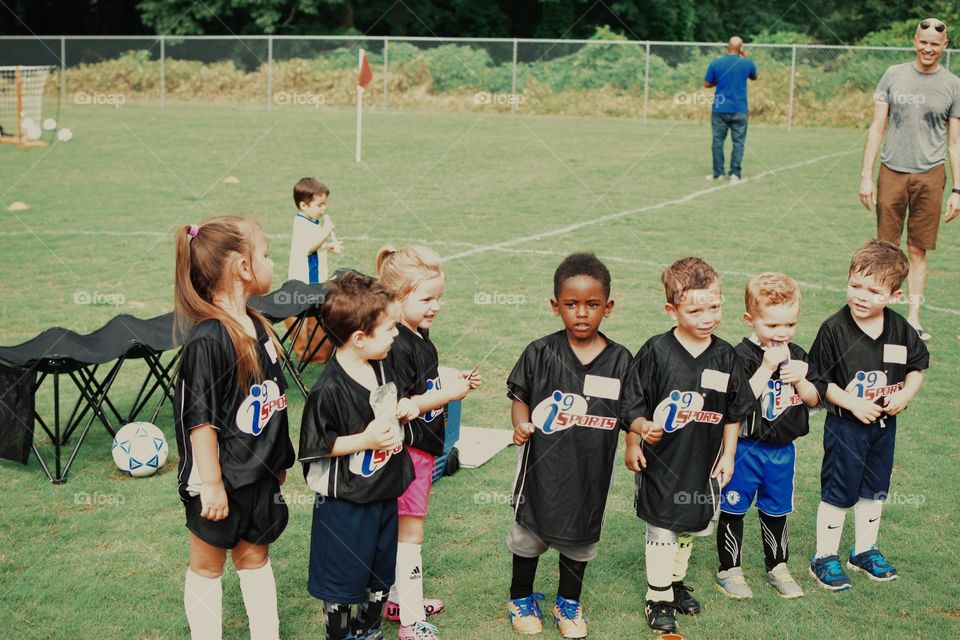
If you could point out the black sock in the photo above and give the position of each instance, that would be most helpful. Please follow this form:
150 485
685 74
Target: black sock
524 571
571 578
729 540
370 613
336 617
773 532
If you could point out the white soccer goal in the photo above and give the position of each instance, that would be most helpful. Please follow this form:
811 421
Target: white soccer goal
21 99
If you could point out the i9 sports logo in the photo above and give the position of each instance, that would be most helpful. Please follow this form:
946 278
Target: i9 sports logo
432 385
777 398
366 463
871 385
681 408
258 407
560 411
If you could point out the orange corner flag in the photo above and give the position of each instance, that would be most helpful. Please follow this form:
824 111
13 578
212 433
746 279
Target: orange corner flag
365 74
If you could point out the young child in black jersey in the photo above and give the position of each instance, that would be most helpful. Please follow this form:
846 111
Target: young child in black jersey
231 422
351 448
870 361
684 398
566 408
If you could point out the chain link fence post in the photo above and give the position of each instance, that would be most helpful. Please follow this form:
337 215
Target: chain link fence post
386 72
646 81
513 81
63 70
269 73
793 80
163 71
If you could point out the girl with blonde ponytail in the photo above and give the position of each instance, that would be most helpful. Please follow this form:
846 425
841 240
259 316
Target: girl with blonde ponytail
415 275
231 422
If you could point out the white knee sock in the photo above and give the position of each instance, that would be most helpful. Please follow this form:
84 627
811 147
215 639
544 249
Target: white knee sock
409 583
661 555
203 602
829 529
866 523
680 563
259 591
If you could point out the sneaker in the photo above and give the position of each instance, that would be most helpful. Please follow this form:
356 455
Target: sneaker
686 602
525 614
431 607
828 573
780 579
376 634
732 583
568 615
873 564
418 631
661 615
736 179
712 178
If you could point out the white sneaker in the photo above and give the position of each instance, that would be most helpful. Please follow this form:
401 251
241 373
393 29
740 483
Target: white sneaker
732 583
780 579
736 180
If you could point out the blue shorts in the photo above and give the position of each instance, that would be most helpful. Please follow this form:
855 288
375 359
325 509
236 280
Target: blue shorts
761 470
353 549
857 460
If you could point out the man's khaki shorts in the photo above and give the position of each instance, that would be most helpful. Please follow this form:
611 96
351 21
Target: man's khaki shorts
922 194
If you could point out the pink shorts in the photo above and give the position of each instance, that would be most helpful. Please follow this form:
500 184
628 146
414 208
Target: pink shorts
416 498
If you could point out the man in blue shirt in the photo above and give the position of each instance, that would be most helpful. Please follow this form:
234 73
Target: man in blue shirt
729 74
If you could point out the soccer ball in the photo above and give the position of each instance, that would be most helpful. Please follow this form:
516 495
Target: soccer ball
139 449
32 132
64 135
49 124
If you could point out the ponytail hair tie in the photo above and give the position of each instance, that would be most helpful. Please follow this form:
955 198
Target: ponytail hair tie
193 231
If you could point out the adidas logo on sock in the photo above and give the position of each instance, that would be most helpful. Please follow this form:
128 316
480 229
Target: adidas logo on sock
415 574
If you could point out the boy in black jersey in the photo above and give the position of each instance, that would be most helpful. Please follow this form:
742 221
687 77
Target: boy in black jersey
871 362
566 406
684 397
355 461
779 376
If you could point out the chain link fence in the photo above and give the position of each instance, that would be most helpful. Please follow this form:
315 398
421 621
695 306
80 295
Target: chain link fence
798 85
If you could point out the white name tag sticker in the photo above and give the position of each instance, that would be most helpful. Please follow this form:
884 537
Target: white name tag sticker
601 387
716 380
895 353
271 350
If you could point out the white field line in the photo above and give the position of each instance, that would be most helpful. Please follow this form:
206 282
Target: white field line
623 214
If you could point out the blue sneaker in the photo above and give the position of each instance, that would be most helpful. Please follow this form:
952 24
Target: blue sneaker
525 614
872 563
568 616
828 573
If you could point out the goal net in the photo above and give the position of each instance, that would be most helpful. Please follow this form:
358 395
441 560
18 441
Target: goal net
21 99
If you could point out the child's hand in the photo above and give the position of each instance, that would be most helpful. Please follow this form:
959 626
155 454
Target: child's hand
335 247
381 436
453 382
651 433
522 433
866 411
794 371
407 409
634 458
282 476
774 355
723 470
896 402
472 377
213 501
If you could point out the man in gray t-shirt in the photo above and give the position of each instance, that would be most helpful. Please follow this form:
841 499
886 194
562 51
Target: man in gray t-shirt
917 117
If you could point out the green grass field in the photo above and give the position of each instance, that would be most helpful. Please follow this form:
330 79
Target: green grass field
104 555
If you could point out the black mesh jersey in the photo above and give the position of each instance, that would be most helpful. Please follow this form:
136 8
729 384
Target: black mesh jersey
565 468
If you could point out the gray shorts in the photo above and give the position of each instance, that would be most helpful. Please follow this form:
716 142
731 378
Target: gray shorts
527 544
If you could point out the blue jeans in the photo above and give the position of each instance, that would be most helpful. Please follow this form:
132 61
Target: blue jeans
736 123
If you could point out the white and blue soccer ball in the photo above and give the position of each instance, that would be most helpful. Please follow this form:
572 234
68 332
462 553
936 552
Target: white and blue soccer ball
139 448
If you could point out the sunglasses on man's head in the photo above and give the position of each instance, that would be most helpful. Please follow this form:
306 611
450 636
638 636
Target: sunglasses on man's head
936 24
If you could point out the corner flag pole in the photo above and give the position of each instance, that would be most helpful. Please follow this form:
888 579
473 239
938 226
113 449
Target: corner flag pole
359 105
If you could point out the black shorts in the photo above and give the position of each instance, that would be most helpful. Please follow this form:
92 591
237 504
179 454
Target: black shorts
353 549
857 460
257 514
